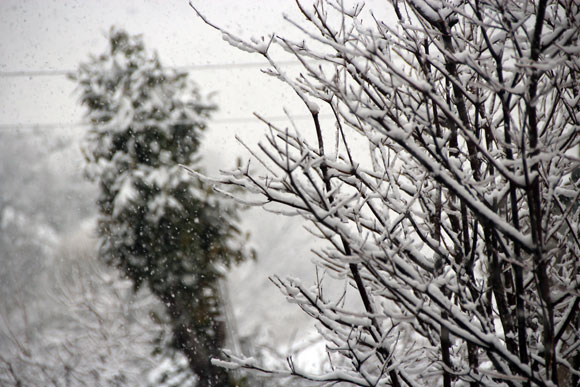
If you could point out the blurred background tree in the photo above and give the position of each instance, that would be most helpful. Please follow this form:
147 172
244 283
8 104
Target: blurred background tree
160 226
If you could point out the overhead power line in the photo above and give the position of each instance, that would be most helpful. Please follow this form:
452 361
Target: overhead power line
64 125
199 67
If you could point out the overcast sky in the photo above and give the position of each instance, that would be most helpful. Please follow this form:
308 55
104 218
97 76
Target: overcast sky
39 35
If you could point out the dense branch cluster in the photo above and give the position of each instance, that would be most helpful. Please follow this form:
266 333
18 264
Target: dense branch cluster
457 226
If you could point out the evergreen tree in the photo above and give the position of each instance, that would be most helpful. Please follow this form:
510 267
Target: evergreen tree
160 226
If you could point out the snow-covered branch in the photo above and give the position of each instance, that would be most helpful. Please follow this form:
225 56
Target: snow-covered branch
456 221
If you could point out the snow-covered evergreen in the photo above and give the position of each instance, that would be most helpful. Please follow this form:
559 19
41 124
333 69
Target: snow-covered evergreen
162 227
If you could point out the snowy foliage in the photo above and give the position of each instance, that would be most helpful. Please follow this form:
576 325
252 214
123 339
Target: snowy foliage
82 325
457 225
31 219
159 225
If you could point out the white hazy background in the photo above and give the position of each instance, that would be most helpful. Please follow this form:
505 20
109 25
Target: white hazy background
40 40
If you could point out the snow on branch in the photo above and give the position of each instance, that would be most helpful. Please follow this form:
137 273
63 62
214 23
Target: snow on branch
447 202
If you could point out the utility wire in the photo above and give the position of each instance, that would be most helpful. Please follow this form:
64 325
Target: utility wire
200 67
64 125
